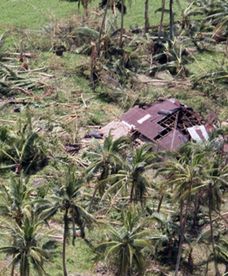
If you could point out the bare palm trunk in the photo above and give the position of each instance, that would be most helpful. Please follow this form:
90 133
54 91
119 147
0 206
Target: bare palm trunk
146 16
212 230
65 220
101 29
180 237
122 24
183 220
161 20
171 22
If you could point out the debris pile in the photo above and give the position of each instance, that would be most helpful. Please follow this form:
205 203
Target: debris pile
17 76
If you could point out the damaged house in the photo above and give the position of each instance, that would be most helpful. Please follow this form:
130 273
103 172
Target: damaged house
167 123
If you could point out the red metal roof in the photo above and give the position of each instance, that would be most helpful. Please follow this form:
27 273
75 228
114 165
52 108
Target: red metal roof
172 141
133 115
158 122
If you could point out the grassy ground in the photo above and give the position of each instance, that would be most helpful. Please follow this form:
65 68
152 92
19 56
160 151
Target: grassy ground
72 105
34 14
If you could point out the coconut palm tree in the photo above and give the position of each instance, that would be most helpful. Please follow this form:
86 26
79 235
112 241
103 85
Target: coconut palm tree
131 174
124 246
105 160
27 245
66 198
22 150
216 177
113 5
221 248
166 248
14 198
185 175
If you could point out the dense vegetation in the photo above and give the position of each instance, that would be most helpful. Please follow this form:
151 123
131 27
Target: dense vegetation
110 207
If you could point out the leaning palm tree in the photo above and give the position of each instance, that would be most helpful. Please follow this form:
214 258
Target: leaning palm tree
27 246
67 199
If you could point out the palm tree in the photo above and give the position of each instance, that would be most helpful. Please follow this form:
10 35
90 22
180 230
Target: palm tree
14 198
27 247
105 160
67 198
185 175
131 174
216 176
124 245
112 4
22 150
221 249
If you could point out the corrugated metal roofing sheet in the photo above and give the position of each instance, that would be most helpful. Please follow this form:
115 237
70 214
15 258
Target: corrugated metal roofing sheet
133 115
198 133
164 122
150 127
172 141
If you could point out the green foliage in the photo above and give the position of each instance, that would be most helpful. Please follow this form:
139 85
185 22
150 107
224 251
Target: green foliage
213 83
67 197
190 200
26 246
22 149
105 160
15 199
130 176
213 12
124 245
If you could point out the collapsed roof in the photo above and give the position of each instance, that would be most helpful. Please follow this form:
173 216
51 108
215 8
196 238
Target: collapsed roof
168 123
